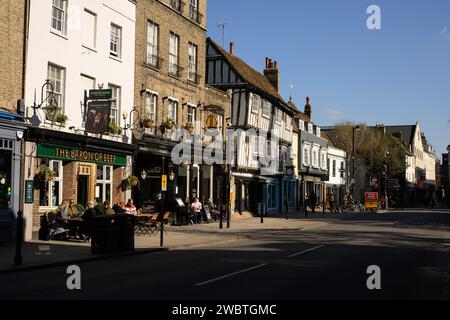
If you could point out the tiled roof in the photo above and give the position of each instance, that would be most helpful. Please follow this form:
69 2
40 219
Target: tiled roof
250 75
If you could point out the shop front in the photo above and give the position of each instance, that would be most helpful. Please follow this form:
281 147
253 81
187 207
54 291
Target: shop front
11 131
88 170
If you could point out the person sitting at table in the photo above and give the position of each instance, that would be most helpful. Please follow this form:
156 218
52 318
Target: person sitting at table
107 209
63 209
130 208
196 208
72 209
85 228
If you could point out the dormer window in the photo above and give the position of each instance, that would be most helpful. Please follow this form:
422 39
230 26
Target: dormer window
311 128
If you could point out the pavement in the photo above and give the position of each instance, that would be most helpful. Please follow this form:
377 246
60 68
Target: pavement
43 254
322 257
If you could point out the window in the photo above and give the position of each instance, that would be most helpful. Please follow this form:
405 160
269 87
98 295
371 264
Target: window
311 128
115 105
256 103
116 41
104 182
57 78
176 4
342 169
334 169
323 161
59 16
191 114
302 125
151 103
288 122
173 109
315 159
193 10
192 60
278 116
318 131
272 196
50 194
306 151
152 44
89 29
267 109
174 42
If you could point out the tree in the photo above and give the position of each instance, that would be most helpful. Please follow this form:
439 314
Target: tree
375 150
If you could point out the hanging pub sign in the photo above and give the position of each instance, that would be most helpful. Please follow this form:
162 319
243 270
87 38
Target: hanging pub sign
101 94
98 114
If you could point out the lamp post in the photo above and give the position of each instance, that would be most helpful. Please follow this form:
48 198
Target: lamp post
386 199
353 160
51 108
134 123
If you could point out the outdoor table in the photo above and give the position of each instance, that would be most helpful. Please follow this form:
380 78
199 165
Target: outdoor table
73 224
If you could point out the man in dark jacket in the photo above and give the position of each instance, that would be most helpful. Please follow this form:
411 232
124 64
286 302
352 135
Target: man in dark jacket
313 200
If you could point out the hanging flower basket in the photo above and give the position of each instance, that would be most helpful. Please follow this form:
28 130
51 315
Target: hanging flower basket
169 124
189 127
46 174
134 181
148 123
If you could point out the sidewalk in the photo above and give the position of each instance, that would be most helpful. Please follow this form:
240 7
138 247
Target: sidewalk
44 254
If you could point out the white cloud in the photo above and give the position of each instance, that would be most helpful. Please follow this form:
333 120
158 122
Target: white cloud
444 30
335 114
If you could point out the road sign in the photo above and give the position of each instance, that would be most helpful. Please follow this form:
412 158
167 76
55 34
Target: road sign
103 94
164 182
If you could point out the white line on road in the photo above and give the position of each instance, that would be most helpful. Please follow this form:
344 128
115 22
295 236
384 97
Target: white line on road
230 275
306 251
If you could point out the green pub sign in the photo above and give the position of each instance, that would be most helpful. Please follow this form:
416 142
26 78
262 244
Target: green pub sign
75 154
29 191
102 94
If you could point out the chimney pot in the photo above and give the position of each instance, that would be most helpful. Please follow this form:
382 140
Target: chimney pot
232 48
275 65
267 63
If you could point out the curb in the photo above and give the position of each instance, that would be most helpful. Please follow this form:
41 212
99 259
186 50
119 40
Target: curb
113 256
74 261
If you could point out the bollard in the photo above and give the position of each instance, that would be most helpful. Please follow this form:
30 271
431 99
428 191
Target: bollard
19 239
228 216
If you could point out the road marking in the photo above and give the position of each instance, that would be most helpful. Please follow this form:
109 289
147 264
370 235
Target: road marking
306 251
230 275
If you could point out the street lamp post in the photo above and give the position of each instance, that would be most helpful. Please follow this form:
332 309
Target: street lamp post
353 160
386 199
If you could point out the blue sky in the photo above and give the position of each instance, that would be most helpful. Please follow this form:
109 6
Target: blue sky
397 75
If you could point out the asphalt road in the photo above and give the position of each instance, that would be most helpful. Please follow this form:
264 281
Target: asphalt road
324 262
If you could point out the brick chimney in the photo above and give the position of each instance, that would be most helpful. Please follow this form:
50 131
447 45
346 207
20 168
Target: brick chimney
272 73
308 109
232 48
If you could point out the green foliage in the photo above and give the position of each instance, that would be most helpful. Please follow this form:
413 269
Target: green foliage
61 118
80 208
114 128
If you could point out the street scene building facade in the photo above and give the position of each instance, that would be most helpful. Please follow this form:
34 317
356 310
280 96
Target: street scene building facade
12 60
263 127
95 94
313 159
75 47
172 96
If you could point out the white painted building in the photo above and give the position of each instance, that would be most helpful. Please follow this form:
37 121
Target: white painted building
77 45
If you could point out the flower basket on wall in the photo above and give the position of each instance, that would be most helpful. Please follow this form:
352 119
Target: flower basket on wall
46 174
190 128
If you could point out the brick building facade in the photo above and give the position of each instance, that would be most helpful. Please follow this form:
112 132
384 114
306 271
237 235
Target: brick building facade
170 85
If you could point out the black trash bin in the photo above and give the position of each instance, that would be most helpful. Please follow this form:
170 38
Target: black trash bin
126 232
105 232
